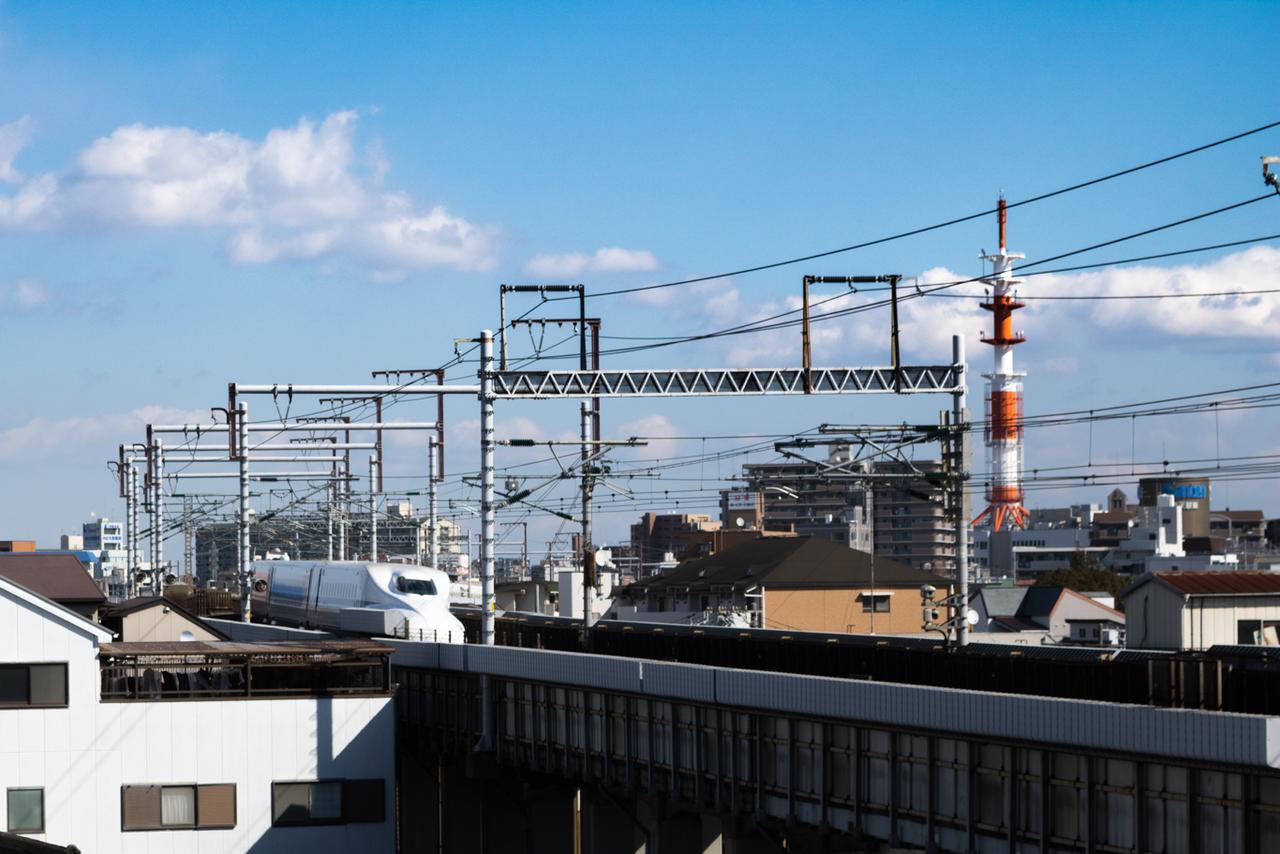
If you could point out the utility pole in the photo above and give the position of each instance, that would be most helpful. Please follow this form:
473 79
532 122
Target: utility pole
959 417
244 562
157 515
328 512
488 515
134 561
373 508
188 533
433 522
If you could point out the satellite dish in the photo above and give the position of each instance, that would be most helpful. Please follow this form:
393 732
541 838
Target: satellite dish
971 617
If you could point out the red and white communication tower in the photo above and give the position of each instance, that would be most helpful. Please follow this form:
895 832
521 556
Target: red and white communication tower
1004 394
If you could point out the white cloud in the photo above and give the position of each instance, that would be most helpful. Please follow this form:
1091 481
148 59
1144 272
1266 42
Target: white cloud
13 138
1240 316
293 195
1056 329
657 430
42 438
608 259
23 295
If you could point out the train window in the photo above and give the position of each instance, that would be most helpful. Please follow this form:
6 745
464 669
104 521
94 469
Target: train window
420 586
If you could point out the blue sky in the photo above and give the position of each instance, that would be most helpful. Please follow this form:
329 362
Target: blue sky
276 192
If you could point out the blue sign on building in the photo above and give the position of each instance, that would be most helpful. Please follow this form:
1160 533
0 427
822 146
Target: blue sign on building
1184 490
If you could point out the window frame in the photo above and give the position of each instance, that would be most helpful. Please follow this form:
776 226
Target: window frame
344 816
195 807
8 811
872 601
26 666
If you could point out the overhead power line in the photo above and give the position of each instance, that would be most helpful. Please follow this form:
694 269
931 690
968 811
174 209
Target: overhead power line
938 225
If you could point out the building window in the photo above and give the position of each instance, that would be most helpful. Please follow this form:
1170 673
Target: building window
33 685
26 810
177 807
328 802
877 603
1258 632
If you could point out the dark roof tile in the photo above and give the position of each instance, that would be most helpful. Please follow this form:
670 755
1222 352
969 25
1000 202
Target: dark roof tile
59 577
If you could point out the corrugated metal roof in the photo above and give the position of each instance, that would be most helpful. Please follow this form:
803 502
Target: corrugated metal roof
59 577
1225 583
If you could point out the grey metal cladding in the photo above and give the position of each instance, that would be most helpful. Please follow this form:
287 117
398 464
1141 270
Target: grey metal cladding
414 653
565 668
452 656
1186 733
680 681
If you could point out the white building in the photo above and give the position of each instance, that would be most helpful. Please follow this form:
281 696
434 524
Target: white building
1156 532
106 539
1197 610
169 760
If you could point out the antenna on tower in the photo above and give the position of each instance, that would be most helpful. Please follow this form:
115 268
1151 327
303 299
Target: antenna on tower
1004 390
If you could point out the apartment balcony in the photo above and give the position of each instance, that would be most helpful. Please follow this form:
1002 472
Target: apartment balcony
225 670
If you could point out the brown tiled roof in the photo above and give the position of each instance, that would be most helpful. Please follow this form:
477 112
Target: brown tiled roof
59 577
1225 583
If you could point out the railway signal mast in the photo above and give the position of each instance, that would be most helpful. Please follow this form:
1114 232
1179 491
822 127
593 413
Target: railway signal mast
1004 394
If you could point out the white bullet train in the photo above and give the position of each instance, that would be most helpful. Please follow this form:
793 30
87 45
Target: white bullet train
356 597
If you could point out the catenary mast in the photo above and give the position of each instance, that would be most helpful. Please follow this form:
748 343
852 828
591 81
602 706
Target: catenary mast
1004 393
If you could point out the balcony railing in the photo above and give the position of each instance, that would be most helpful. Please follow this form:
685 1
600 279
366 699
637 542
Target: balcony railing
196 670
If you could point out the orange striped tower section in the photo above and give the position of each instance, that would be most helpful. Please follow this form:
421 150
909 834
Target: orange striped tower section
1004 394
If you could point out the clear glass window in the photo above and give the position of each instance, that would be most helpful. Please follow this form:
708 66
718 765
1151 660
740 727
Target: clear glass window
26 810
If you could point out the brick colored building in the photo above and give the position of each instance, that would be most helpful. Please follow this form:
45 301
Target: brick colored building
790 583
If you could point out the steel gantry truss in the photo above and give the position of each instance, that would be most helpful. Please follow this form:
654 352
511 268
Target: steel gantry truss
496 384
702 382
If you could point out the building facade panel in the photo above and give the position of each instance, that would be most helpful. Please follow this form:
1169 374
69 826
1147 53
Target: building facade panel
83 753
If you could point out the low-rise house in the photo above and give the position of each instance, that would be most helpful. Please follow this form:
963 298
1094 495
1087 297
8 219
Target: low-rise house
797 583
1197 610
154 618
1040 613
190 746
59 577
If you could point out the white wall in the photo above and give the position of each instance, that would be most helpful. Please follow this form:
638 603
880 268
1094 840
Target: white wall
81 755
1209 620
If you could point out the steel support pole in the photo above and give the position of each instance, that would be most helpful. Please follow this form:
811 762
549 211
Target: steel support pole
433 529
588 551
157 517
959 474
328 494
488 515
373 509
244 553
134 561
